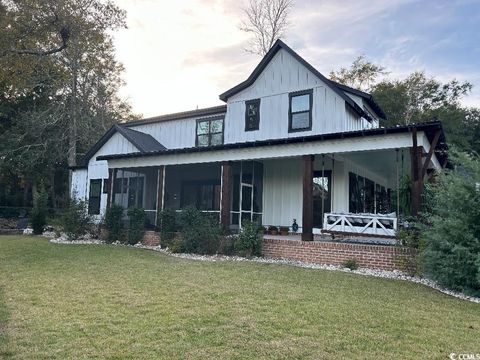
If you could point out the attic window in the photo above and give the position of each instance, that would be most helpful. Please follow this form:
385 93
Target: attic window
300 111
252 115
209 132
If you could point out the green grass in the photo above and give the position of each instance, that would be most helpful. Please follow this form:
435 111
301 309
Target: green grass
84 301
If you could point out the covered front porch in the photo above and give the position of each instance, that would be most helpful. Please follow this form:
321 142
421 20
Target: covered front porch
347 186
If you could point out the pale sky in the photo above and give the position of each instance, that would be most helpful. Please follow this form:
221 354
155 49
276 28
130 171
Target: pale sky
180 55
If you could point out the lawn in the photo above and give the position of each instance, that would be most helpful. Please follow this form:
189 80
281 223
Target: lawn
86 301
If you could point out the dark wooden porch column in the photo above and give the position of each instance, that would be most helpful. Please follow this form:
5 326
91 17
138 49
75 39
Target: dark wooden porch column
307 214
160 188
226 195
111 181
416 153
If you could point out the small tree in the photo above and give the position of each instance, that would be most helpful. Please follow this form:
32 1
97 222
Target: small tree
451 254
38 218
136 229
167 224
113 223
76 221
200 232
249 241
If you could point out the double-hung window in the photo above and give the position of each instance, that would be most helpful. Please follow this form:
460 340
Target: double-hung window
94 196
300 111
209 132
252 115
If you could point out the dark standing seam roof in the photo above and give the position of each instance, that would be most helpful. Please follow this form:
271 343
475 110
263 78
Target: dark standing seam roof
430 128
168 117
142 141
279 44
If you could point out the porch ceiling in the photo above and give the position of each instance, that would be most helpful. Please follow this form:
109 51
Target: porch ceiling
383 161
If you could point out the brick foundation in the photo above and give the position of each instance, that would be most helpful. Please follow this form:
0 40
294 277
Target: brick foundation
331 253
151 238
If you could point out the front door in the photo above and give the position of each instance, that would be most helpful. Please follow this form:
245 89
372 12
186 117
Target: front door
322 196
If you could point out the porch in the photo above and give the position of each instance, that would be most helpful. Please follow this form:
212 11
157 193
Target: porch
345 193
343 186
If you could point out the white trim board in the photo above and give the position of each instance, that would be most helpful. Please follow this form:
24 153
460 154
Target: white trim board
378 142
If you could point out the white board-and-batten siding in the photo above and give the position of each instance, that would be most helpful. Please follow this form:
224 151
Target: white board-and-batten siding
283 187
282 76
98 169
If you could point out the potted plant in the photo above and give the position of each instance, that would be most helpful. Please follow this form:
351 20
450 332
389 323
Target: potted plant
284 230
272 230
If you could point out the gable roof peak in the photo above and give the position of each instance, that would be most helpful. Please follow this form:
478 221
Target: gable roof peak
278 45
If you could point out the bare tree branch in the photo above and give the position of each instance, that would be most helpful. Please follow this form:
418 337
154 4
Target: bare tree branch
267 21
64 34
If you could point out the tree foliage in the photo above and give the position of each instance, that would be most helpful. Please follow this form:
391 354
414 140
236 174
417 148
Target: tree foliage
451 254
266 21
362 74
38 217
417 98
54 104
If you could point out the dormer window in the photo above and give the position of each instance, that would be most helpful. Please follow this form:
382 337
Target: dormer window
209 132
300 111
252 115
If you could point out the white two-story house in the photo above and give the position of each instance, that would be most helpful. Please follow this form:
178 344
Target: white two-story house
289 145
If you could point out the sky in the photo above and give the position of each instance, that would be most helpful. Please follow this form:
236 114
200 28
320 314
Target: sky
180 55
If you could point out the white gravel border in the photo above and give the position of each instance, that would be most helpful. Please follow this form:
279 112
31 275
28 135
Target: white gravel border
395 274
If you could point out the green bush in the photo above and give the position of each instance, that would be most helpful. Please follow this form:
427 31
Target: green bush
113 223
249 241
200 232
227 245
451 248
351 264
410 236
38 217
136 228
76 221
176 245
168 226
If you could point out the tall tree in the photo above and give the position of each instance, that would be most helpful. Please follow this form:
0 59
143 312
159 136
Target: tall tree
417 98
266 21
56 104
45 33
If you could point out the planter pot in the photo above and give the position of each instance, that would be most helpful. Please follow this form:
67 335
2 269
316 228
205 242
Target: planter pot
273 232
284 232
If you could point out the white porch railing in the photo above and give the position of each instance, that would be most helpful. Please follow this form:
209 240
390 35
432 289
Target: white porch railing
367 224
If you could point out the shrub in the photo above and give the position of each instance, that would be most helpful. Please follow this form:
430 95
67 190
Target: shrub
136 228
451 248
351 264
168 226
200 232
409 236
76 221
38 217
227 245
249 241
113 223
177 245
